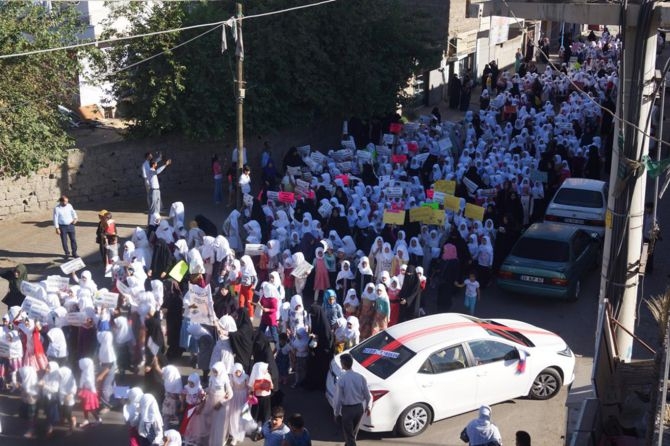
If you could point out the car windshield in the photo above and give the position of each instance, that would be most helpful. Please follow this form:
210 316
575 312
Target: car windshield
579 197
382 354
502 331
542 249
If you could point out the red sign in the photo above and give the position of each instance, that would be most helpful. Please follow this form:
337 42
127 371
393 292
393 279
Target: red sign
413 146
395 128
286 197
429 193
344 178
399 158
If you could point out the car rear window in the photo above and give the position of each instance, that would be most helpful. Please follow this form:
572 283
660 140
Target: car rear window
382 354
579 197
542 249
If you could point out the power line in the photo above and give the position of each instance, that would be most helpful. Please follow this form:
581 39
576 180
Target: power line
155 33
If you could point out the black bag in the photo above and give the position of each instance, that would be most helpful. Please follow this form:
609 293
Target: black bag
464 435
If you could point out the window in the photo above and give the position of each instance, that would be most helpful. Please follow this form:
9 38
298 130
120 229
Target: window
542 249
580 242
486 352
381 354
579 197
446 360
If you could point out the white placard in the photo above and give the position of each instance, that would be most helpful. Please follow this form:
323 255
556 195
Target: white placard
72 266
304 150
345 166
438 197
444 144
56 284
39 311
106 299
364 156
76 319
343 155
383 151
201 309
123 288
318 157
121 392
30 289
29 301
394 192
349 144
302 270
294 171
248 200
421 157
254 249
273 195
388 138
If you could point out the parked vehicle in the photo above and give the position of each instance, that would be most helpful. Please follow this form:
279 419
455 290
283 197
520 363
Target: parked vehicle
581 202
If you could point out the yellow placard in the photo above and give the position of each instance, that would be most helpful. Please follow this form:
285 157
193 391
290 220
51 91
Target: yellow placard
474 212
420 214
179 271
437 217
394 218
453 203
446 186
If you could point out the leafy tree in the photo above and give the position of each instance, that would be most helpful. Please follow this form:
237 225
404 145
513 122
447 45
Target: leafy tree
31 87
352 57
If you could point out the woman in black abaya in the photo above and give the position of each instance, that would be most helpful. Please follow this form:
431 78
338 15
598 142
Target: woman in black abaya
242 340
410 295
318 361
262 352
162 260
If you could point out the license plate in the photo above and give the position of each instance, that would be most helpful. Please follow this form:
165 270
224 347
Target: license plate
574 221
532 279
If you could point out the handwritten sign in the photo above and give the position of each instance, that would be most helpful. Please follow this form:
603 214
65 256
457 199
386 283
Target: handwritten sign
39 311
388 138
56 284
348 144
302 270
294 171
432 205
200 310
394 217
413 146
394 192
420 214
437 217
474 212
438 197
28 302
76 319
395 127
318 157
254 249
106 299
31 289
344 178
304 150
430 193
446 186
383 150
453 203
286 197
364 156
179 271
72 266
273 195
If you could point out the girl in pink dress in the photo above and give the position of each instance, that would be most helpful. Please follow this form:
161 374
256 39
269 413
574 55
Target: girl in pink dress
33 351
90 403
321 277
192 427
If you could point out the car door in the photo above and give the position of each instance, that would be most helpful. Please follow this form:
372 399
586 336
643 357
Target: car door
495 366
582 254
447 383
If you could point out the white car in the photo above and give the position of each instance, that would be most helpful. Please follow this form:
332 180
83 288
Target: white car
581 202
447 364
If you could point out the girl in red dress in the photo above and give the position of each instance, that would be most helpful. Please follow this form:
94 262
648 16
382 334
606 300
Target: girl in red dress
90 403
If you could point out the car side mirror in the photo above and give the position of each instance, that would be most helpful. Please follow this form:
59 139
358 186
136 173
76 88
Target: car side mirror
595 236
512 355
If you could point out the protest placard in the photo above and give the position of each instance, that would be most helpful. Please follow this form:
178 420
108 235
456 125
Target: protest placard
446 186
348 144
304 150
76 319
123 288
383 151
273 195
56 284
179 271
294 171
39 311
453 203
200 310
286 197
474 212
399 159
31 289
395 127
344 178
538 175
394 217
106 299
437 217
432 205
363 156
438 197
72 266
28 302
345 166
254 249
412 146
420 214
394 192
302 270
388 138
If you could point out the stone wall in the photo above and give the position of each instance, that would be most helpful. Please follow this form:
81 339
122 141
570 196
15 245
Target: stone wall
97 172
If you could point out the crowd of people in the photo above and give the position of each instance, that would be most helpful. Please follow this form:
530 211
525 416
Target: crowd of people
316 259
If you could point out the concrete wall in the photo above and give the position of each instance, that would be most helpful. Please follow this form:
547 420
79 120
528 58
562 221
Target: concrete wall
98 172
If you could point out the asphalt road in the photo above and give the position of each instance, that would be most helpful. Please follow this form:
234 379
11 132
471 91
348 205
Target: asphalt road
34 243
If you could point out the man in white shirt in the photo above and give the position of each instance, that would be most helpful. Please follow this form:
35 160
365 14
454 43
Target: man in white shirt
245 180
65 218
352 399
154 188
146 167
244 156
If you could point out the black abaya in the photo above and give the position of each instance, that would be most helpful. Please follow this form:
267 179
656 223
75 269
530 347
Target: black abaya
161 260
318 361
173 303
410 294
241 340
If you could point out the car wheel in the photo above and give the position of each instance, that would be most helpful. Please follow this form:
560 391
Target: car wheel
413 420
576 290
546 385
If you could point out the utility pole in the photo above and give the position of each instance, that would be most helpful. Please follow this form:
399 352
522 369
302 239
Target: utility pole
239 54
625 207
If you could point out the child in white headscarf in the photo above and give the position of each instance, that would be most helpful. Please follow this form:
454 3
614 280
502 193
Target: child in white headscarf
344 279
219 393
193 427
29 395
300 272
67 391
88 394
299 355
173 388
150 422
107 360
50 386
239 383
351 303
352 334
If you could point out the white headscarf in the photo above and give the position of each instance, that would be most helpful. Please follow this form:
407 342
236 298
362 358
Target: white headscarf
106 353
238 380
181 250
351 299
386 253
248 267
123 332
28 376
295 301
164 232
87 378
57 344
417 250
131 410
347 273
172 379
348 245
353 332
173 438
51 380
68 385
195 379
369 295
150 415
364 269
221 380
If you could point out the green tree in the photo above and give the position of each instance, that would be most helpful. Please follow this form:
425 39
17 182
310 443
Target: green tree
352 57
31 87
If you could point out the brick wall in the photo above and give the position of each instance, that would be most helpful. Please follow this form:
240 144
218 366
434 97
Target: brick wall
458 23
96 172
